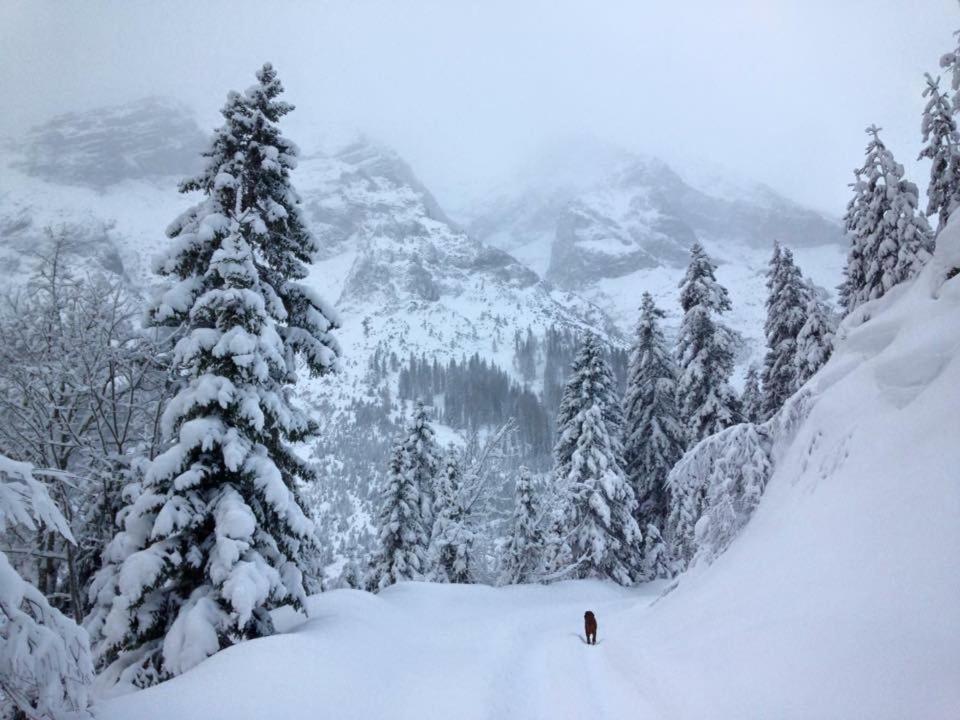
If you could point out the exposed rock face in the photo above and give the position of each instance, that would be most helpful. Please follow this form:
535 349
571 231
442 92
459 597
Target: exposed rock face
149 138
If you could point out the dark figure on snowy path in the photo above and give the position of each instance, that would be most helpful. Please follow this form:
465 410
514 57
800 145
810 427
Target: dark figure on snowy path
590 627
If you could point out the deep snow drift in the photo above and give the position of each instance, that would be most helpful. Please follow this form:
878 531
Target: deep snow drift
840 599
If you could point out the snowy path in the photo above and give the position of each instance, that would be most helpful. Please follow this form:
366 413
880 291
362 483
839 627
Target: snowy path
423 651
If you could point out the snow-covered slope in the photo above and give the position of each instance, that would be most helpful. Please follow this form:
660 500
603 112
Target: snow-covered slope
840 599
407 280
599 224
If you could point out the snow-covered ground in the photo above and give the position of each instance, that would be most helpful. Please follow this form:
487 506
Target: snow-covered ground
840 599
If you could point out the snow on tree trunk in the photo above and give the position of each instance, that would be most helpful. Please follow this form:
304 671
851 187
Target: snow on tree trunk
45 663
218 535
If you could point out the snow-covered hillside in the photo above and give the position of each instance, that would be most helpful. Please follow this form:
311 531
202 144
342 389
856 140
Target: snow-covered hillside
407 280
601 225
401 272
838 600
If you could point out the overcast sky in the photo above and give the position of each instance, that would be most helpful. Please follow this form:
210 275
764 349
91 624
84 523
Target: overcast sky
777 90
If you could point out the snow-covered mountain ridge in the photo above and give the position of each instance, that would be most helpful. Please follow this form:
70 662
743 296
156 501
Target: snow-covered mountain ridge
609 224
390 257
838 600
600 233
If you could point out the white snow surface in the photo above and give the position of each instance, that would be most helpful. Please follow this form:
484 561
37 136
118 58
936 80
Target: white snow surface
840 599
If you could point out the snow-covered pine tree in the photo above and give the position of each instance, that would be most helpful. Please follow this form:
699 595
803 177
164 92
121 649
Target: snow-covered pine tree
452 542
599 521
653 435
220 516
787 298
889 240
422 461
715 487
403 535
571 400
751 401
951 62
407 505
655 561
45 664
815 339
942 148
133 525
705 399
523 555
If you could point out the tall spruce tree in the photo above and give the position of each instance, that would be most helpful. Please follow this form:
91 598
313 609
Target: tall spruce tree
751 401
706 401
815 339
786 312
453 538
402 533
889 240
423 459
942 149
524 552
407 505
600 506
227 534
653 435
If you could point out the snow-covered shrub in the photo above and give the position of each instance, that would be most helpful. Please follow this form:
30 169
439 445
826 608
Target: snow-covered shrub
452 541
81 387
45 664
718 483
715 487
523 553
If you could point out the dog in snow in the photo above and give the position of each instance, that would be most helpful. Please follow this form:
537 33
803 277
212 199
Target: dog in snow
590 627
